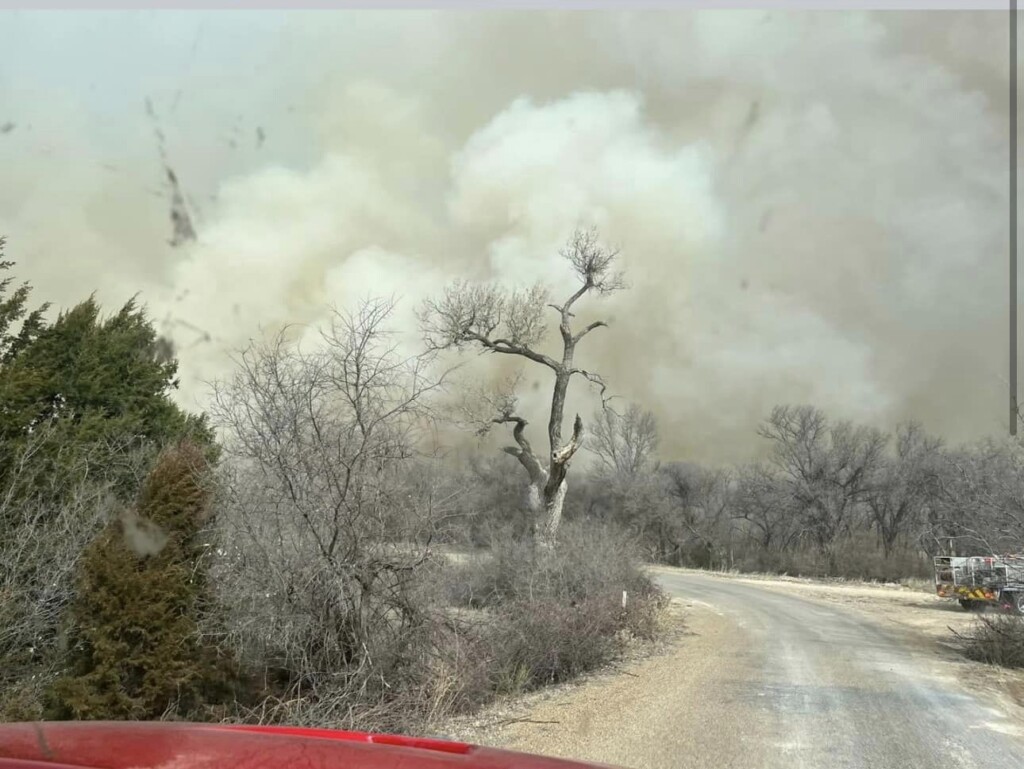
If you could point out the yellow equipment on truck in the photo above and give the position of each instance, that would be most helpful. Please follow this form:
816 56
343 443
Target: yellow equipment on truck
980 580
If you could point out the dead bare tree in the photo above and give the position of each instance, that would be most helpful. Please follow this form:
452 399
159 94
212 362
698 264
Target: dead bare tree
902 485
980 498
826 469
761 502
512 323
701 511
624 444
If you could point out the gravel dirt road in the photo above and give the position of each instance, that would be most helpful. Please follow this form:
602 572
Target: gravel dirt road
773 674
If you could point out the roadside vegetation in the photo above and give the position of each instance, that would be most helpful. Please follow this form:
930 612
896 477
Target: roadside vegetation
996 639
286 556
276 559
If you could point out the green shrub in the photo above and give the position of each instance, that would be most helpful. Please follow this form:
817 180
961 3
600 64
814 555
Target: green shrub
135 651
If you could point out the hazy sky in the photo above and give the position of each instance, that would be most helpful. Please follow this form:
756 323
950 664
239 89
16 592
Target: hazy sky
811 206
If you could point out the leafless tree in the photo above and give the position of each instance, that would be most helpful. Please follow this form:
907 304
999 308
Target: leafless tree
980 498
826 469
625 444
328 510
761 502
701 509
903 485
496 321
639 504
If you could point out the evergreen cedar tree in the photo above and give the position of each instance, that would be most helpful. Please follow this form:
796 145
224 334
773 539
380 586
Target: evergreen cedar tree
92 380
88 386
13 315
135 652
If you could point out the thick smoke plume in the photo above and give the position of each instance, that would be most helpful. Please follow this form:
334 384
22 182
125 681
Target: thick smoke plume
811 207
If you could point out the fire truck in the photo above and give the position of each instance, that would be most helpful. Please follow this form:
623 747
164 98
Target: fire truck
978 581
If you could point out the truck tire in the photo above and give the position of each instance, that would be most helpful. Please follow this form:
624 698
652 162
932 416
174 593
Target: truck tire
969 604
1016 601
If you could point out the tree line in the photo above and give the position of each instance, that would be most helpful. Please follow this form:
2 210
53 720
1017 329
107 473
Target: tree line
830 498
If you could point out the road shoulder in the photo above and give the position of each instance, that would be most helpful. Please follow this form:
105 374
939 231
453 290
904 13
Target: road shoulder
646 713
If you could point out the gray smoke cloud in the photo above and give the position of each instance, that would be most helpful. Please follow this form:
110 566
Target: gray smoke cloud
143 537
811 207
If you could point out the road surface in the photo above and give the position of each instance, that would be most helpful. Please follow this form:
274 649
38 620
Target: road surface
766 679
828 689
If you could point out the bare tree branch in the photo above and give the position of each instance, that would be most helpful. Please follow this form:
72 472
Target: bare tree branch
468 313
598 381
583 332
624 444
46 521
592 263
329 505
827 468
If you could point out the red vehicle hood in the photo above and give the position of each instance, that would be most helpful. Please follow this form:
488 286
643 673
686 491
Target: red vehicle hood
168 745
